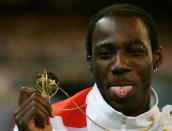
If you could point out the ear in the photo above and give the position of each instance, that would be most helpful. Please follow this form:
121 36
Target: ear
157 57
89 61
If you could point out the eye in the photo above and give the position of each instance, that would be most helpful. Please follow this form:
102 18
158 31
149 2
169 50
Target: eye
135 51
104 54
135 48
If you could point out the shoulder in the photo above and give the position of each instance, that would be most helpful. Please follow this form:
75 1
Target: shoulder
167 112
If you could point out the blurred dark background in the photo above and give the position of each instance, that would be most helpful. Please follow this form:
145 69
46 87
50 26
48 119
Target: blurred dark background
38 34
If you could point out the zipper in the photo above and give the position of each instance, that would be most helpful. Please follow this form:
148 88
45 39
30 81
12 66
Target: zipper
123 126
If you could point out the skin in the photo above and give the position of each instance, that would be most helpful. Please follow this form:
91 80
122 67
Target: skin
121 56
33 111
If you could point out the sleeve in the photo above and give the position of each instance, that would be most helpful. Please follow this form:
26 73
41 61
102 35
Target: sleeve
16 129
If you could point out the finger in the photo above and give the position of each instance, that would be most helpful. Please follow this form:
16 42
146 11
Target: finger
37 106
34 117
25 93
38 99
43 101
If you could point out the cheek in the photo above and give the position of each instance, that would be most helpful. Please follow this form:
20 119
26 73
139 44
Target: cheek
147 76
100 71
144 71
100 68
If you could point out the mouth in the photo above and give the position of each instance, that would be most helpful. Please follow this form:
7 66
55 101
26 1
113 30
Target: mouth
121 90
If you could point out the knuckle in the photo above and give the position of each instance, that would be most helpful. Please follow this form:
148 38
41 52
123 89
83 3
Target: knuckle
23 89
34 103
33 96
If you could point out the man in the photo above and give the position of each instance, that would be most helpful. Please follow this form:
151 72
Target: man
123 55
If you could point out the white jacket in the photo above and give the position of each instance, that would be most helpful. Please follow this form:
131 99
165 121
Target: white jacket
99 112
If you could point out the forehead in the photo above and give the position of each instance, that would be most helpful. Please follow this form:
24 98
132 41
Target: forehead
120 29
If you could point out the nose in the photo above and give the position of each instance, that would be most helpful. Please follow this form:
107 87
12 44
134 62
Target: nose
120 64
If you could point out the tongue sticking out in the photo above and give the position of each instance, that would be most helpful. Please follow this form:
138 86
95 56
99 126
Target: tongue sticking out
121 91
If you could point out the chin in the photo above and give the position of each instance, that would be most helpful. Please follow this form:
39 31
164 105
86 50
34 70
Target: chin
126 109
123 105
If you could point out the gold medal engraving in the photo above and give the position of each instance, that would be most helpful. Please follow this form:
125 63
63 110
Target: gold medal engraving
47 84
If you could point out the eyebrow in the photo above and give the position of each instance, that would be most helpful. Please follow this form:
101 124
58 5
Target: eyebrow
135 42
126 43
100 45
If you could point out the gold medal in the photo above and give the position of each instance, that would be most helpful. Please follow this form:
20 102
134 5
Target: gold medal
47 84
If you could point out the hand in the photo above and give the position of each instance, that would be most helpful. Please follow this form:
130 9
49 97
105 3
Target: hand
33 111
